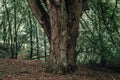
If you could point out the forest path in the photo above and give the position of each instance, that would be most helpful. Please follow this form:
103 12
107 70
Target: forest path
11 69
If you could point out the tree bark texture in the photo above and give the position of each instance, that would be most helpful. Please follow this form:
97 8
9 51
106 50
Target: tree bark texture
61 24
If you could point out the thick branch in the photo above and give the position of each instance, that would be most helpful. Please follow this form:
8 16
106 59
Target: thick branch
41 15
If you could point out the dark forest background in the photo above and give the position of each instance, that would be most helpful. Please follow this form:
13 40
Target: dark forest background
98 44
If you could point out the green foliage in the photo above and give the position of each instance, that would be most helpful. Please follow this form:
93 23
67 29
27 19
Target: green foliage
99 34
4 54
15 28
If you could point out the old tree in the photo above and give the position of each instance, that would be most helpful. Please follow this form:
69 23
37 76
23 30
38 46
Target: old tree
60 21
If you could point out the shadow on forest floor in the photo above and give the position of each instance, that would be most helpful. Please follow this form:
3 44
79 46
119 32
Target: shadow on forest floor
34 70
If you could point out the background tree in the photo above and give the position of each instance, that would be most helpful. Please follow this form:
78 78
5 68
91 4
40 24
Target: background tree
100 34
98 42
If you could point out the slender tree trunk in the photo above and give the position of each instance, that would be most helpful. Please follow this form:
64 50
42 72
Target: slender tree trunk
15 26
45 53
31 38
10 36
4 29
37 42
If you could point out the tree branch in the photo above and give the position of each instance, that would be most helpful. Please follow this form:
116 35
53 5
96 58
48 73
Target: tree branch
41 15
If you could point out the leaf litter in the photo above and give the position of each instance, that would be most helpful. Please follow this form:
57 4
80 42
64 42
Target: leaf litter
11 69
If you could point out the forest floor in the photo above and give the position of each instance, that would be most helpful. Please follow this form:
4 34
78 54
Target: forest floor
35 70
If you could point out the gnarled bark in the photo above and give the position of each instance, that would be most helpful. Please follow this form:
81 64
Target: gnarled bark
41 15
61 25
59 35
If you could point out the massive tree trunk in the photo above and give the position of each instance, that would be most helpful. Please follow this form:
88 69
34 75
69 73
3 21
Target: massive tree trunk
61 25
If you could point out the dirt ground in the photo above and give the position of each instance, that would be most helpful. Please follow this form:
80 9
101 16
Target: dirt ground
35 70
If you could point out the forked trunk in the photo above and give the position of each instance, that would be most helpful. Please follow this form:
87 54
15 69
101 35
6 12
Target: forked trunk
61 24
64 32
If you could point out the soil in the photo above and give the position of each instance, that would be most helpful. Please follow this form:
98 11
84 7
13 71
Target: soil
11 69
